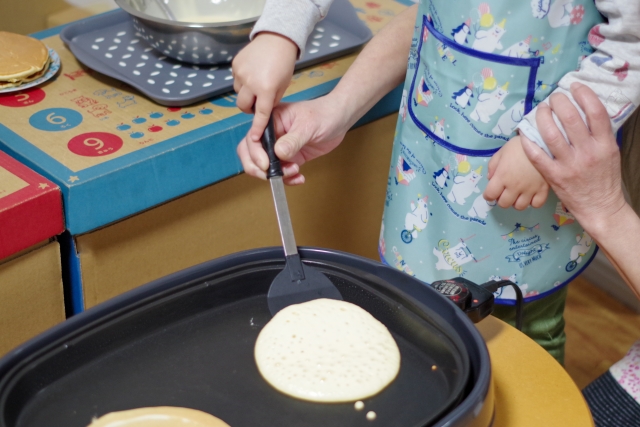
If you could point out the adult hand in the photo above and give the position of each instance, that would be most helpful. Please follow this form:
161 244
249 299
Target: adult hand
306 130
585 174
262 72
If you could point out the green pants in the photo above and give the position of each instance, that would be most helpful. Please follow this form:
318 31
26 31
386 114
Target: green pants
543 321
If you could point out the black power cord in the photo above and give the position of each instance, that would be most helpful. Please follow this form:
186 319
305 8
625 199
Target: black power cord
497 284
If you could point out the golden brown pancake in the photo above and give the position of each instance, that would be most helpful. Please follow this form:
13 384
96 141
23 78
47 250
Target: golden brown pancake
161 416
20 57
31 78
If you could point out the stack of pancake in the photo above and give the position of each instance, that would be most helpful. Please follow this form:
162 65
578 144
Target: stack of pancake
22 59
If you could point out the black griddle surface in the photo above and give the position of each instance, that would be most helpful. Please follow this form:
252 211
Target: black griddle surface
193 347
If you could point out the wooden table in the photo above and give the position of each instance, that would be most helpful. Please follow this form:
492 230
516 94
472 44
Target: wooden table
531 387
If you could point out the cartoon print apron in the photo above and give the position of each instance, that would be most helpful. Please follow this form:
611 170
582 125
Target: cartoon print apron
474 71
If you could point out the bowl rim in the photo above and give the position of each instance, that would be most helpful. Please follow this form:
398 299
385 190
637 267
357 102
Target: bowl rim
124 5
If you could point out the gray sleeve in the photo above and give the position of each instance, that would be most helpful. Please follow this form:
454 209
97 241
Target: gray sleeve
294 19
612 71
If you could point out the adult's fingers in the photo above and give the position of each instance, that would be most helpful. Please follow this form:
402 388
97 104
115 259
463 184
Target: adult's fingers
256 153
596 113
245 100
570 118
263 107
557 144
248 165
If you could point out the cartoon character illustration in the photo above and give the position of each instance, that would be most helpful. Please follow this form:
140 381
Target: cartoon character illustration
461 32
463 96
489 40
416 220
562 13
127 101
464 186
579 251
438 129
404 173
509 119
489 103
445 53
481 207
519 50
403 105
442 176
423 93
452 258
400 263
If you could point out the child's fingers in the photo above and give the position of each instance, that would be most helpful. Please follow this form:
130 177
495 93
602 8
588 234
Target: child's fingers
550 133
522 202
507 198
493 164
263 107
494 190
249 167
597 116
245 100
540 198
569 117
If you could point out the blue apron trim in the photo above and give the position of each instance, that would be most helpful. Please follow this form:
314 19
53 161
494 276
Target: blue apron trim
528 299
532 63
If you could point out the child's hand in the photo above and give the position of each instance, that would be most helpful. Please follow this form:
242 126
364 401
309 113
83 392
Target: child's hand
306 130
585 174
513 181
262 72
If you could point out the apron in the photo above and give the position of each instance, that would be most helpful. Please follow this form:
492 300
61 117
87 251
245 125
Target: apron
474 71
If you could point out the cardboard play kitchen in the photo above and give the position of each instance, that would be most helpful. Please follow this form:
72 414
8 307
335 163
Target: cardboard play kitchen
31 294
115 153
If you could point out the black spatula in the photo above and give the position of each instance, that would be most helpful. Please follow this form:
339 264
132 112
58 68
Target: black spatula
297 282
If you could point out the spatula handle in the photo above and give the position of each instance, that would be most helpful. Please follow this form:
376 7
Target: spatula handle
269 144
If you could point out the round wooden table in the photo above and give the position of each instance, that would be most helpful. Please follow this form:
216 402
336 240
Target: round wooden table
531 388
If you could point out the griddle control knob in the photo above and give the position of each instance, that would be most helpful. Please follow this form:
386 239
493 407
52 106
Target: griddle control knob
473 299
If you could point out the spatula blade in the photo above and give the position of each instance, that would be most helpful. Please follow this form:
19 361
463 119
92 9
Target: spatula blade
285 292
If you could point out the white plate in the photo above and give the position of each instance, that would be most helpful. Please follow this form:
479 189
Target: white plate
54 66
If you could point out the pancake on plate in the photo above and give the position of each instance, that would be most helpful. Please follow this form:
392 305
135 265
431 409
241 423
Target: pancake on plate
22 59
161 416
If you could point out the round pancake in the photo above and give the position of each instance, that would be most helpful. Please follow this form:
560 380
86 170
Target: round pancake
162 416
327 351
31 78
20 57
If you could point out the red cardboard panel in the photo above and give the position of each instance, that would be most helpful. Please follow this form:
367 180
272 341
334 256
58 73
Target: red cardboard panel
30 207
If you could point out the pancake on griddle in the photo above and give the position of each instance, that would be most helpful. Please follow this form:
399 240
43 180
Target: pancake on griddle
22 59
161 416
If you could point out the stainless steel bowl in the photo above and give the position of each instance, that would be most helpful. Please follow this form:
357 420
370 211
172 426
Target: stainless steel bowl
195 31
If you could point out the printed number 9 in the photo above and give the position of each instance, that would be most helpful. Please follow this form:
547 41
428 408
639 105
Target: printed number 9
94 142
56 120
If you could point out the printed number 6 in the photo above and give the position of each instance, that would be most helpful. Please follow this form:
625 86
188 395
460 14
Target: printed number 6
56 120
94 142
